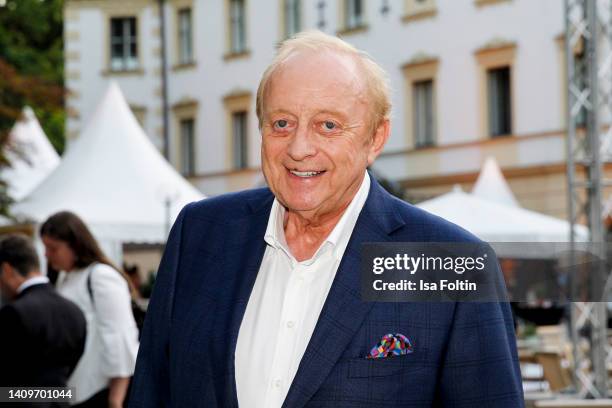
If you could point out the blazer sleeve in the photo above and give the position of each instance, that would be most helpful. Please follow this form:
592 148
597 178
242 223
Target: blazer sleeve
151 382
481 366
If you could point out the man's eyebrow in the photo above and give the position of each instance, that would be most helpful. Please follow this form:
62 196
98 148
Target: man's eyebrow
333 113
277 111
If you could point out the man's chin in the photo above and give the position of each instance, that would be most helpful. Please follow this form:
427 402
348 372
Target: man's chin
302 206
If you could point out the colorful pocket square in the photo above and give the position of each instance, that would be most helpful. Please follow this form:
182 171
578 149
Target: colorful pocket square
391 345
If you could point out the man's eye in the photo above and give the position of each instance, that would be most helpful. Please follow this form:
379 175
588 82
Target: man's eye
329 125
281 124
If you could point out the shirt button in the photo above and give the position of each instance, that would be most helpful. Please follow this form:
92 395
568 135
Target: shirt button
290 324
278 383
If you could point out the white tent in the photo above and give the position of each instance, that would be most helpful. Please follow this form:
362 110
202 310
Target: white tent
492 185
493 222
31 156
115 179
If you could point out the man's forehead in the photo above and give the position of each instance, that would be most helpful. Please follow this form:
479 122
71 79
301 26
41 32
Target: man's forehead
307 78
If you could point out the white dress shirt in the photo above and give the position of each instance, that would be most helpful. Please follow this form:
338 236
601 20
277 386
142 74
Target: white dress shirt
284 307
36 280
111 344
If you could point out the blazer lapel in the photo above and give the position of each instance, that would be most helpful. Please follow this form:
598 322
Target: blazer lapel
343 311
254 249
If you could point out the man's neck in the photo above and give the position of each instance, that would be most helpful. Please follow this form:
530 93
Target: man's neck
33 278
305 236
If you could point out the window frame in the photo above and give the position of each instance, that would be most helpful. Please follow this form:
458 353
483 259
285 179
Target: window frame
237 41
499 102
185 109
420 68
352 20
495 54
132 39
185 36
187 157
290 7
429 122
240 140
234 102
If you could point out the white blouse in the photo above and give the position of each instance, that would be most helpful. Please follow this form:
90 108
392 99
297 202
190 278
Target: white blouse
112 336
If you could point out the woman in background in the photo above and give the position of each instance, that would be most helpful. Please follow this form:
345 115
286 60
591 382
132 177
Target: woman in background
102 291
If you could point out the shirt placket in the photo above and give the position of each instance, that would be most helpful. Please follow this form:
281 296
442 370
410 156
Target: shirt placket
290 323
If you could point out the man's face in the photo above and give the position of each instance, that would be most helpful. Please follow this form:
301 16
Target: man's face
316 132
58 253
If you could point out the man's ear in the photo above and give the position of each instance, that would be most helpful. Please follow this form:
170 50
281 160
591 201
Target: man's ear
379 139
6 271
3 268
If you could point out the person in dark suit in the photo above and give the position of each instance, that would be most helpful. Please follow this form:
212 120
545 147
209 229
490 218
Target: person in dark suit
257 299
42 335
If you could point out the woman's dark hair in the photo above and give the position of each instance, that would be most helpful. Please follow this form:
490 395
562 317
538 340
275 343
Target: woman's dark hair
68 227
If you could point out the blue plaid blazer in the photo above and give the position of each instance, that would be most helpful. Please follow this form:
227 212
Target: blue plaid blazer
464 353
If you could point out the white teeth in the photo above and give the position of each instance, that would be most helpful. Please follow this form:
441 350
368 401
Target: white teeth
305 173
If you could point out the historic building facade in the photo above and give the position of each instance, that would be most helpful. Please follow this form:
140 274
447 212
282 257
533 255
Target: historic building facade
470 79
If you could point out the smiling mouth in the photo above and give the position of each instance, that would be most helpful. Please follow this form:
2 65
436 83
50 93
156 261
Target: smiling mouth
306 174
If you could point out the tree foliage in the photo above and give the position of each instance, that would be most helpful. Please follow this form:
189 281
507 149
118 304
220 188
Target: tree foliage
31 70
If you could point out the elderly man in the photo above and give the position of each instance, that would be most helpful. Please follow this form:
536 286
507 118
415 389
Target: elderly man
257 302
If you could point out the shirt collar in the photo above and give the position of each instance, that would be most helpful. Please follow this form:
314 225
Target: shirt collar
37 280
337 239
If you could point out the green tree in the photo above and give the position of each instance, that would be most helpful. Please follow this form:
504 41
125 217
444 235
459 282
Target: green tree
31 70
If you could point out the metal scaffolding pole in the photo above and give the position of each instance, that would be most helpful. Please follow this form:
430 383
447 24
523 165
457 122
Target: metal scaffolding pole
588 32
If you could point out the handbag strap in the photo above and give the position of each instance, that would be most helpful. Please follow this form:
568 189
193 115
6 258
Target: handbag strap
89 287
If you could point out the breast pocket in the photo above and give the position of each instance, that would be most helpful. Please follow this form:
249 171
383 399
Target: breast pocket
386 366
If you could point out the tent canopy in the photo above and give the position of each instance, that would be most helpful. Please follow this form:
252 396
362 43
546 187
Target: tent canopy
494 222
491 185
31 156
114 178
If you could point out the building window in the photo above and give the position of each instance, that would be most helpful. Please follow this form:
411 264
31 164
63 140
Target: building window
423 113
420 74
499 101
353 14
185 35
239 140
124 44
237 26
292 17
187 129
495 82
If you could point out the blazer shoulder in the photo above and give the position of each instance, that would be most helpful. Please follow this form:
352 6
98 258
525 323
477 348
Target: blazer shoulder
429 226
230 205
10 315
43 300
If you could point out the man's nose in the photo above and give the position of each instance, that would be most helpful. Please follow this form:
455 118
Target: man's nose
302 144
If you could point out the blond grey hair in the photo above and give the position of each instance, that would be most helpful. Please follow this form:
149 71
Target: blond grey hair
376 80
